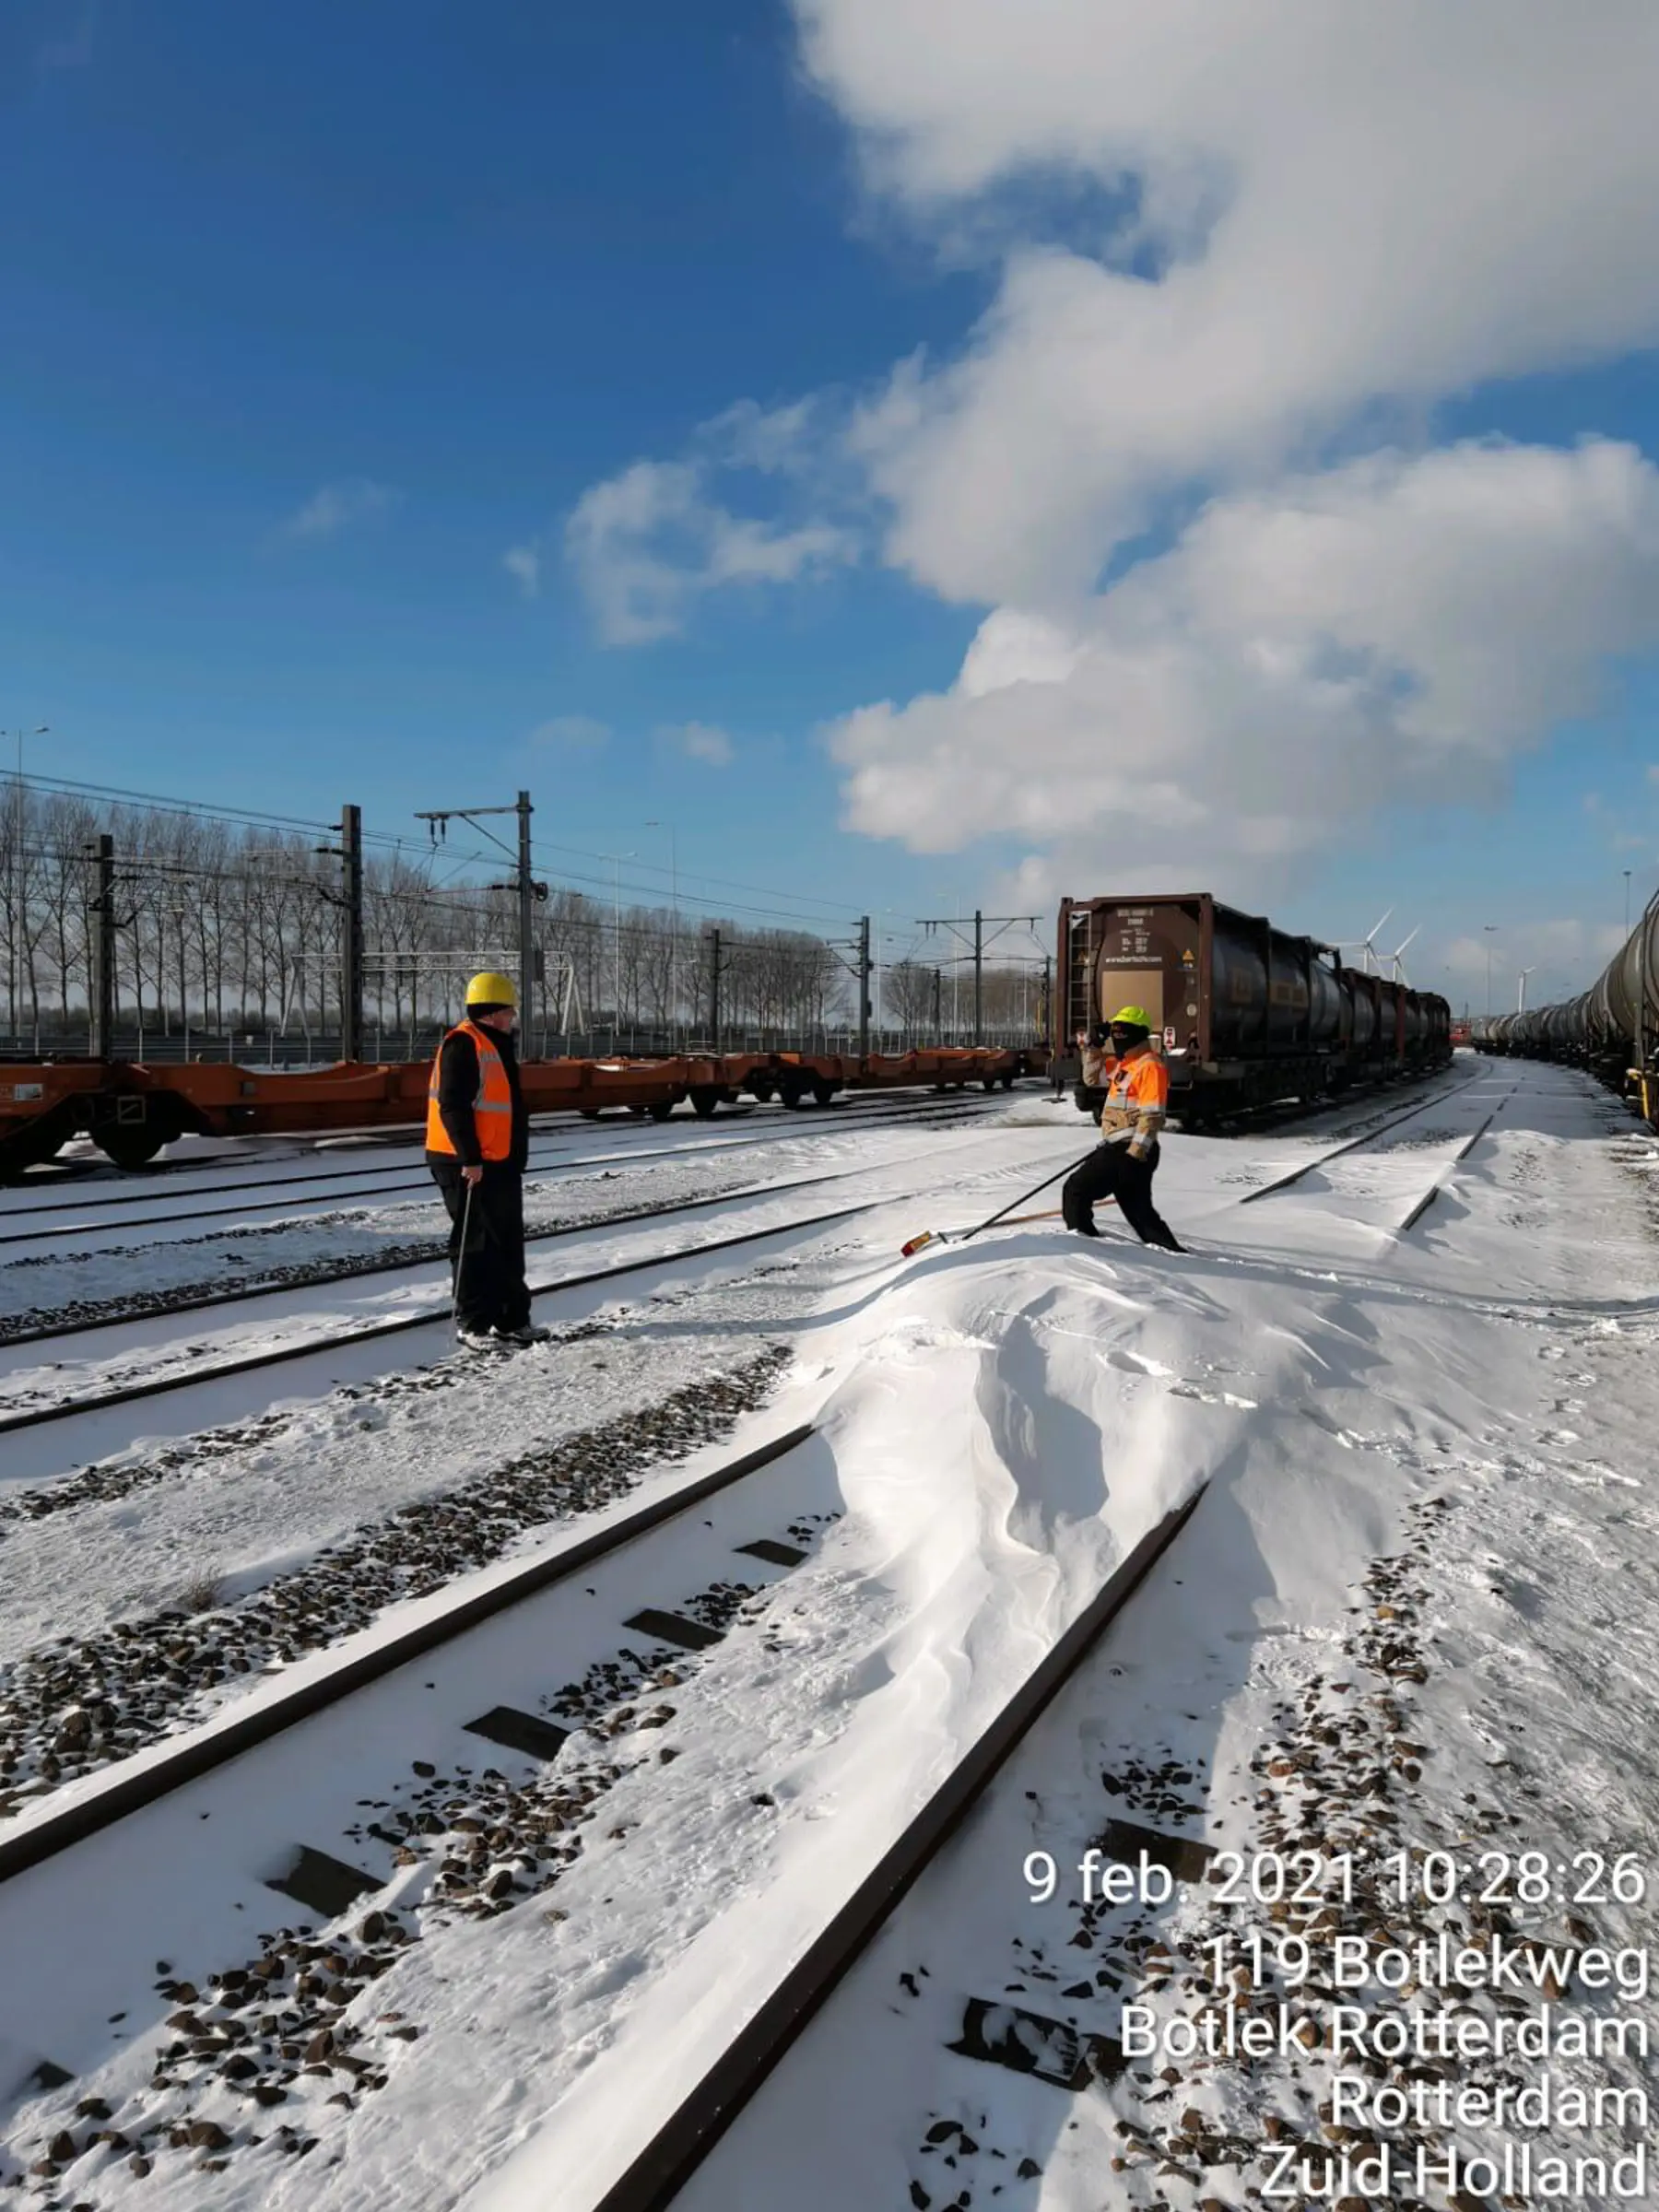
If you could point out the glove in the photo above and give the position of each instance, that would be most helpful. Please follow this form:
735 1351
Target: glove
1137 1149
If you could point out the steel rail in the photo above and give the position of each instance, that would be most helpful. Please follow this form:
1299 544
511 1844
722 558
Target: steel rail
1283 1182
212 1747
897 1110
254 1206
197 1377
211 1300
678 2147
1444 1176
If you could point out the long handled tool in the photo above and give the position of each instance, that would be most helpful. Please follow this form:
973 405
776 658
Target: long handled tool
932 1236
461 1261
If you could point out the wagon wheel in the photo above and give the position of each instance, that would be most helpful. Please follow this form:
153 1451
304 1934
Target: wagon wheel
130 1144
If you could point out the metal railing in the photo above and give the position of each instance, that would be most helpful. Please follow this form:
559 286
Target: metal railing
382 1043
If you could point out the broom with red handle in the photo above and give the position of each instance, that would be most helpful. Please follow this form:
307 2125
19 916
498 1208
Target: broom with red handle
932 1236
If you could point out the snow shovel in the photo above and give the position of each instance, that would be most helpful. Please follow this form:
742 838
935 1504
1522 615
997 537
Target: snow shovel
932 1236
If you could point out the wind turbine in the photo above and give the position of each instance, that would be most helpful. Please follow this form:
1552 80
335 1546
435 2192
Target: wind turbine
1393 957
1371 958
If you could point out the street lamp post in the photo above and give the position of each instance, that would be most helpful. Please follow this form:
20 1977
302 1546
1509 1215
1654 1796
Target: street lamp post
674 939
1490 929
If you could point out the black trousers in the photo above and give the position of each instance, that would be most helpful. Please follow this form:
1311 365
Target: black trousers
1110 1173
488 1271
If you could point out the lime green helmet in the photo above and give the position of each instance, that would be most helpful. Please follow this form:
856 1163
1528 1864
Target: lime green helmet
1131 1018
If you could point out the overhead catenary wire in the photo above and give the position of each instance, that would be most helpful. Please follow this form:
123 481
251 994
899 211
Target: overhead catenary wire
790 911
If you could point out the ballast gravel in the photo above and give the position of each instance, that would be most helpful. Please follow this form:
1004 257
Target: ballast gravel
305 2028
1343 1776
66 1290
73 1707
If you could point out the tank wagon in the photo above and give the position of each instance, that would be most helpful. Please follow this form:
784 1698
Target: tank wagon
1247 1013
131 1112
1612 1028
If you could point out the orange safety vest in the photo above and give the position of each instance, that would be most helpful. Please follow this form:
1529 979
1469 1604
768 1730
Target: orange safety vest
1140 1085
492 1109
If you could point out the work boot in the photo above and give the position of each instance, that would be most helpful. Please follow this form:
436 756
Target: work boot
527 1332
477 1340
1084 1225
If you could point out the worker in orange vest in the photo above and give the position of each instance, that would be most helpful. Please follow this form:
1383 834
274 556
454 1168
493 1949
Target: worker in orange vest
1123 1164
477 1146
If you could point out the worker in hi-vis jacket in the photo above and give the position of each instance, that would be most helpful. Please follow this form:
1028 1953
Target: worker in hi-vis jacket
1123 1163
477 1146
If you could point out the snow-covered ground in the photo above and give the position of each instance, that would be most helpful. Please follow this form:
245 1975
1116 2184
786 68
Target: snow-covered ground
1417 1605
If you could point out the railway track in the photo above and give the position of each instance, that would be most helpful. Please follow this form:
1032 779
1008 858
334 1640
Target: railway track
543 1683
1353 1143
28 1841
732 2077
261 1813
432 1317
377 1180
323 1274
1443 1181
1444 1166
323 2046
193 1388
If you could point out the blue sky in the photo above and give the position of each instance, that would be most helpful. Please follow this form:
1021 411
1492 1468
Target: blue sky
310 316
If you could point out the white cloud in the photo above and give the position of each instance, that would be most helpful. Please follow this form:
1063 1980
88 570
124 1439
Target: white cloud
1562 956
777 440
699 741
336 506
571 734
1568 943
524 562
1349 208
1235 247
1394 630
647 544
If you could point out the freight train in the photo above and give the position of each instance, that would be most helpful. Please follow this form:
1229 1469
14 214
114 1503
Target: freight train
1612 1028
131 1112
1247 1015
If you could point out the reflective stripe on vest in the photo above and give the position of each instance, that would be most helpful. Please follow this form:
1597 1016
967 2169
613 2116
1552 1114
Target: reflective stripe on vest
1141 1082
492 1107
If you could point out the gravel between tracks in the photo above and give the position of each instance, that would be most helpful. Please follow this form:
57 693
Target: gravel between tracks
73 1707
67 1288
306 2024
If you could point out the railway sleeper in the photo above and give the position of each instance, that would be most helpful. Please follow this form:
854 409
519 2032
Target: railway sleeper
274 2030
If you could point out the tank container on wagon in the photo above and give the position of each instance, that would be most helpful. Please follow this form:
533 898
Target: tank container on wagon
1631 978
1361 1002
1218 984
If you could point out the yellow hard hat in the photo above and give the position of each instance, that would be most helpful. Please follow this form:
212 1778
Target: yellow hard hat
1131 1018
492 989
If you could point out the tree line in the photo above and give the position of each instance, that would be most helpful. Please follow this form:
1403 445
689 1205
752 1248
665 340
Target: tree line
228 932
